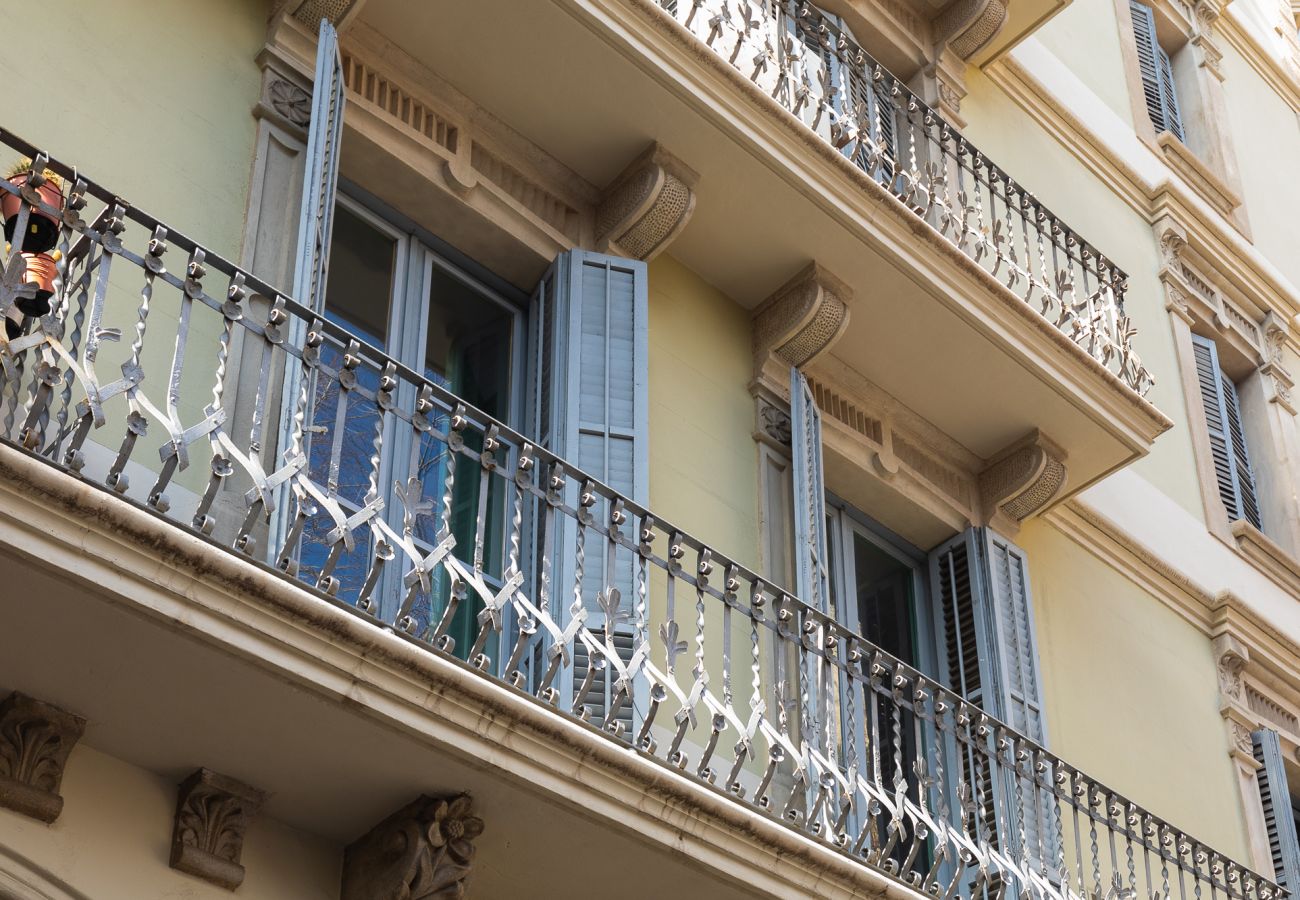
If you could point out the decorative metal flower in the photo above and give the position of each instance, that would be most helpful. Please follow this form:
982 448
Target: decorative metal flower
454 828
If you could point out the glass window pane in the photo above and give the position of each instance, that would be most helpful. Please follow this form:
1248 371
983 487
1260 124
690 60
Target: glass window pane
359 287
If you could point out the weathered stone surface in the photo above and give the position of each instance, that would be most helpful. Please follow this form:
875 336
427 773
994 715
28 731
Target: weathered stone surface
422 851
35 740
212 814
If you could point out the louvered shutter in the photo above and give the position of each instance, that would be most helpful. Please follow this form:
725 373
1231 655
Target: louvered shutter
988 653
811 572
320 180
315 226
878 113
589 405
964 632
1232 471
1157 72
1279 818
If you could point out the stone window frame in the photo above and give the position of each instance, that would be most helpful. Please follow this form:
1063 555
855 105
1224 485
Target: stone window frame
1259 687
1255 347
1206 160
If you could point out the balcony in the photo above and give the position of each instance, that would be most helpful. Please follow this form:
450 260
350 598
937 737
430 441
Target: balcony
806 150
653 642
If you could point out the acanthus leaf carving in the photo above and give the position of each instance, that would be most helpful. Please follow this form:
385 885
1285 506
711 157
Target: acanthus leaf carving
36 739
213 812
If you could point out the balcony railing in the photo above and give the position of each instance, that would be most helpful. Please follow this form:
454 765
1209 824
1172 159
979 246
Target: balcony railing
799 57
651 636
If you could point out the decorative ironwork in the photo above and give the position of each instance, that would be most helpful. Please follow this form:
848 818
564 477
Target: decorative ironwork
800 58
728 679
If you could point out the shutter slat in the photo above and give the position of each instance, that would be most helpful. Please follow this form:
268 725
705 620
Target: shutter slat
1153 63
1275 796
1228 451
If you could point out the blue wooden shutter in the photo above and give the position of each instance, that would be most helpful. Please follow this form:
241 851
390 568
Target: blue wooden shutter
988 653
1232 471
320 181
589 368
1275 796
1157 72
811 571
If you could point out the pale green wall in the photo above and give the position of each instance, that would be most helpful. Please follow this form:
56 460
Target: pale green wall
1131 691
703 463
1083 36
153 100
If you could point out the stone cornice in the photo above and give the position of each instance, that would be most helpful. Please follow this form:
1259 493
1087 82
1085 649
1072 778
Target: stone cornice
1148 199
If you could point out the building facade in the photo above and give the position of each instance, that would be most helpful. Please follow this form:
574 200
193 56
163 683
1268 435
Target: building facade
737 448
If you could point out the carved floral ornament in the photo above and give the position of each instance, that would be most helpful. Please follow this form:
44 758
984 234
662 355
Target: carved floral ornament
36 739
424 851
290 101
213 812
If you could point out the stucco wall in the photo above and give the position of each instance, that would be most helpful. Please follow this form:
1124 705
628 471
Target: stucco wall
113 839
703 462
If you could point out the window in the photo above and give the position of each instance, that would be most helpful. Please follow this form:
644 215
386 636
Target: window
1232 470
395 293
1279 808
1157 73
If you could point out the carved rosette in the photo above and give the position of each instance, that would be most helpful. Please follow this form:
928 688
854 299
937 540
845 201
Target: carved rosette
803 318
1022 480
424 851
646 206
35 741
213 812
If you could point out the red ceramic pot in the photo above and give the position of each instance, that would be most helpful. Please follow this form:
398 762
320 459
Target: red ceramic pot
42 228
41 271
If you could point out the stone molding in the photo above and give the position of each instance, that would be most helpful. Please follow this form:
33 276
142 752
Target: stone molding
803 318
1022 480
646 206
35 741
213 812
424 850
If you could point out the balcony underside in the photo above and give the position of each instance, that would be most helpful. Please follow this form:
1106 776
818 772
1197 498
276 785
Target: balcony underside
928 325
180 655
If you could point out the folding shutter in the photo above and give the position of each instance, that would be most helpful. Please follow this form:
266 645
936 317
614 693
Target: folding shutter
1232 471
315 225
589 405
988 653
966 663
1157 72
1278 816
320 181
811 571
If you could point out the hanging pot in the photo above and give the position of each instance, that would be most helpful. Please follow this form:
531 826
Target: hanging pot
42 228
42 269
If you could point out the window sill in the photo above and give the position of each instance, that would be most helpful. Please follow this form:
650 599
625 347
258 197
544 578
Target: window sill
1268 556
1208 186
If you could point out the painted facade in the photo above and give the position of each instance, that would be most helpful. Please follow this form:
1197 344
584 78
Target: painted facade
799 362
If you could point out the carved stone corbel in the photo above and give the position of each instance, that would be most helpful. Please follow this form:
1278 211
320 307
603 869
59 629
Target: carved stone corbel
1022 480
646 206
968 25
1231 657
424 851
803 318
947 83
35 740
212 814
1276 375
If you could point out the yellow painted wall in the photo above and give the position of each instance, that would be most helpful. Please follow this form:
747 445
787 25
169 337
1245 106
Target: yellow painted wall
703 462
1131 691
112 841
152 100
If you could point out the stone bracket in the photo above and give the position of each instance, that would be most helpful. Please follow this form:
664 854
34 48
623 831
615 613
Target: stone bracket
1022 480
213 812
805 316
35 741
646 206
425 849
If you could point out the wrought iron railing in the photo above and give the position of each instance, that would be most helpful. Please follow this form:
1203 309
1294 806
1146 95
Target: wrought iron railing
650 635
803 60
